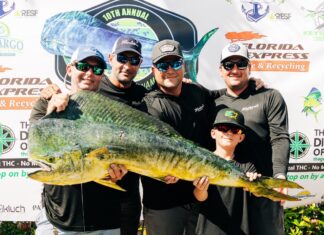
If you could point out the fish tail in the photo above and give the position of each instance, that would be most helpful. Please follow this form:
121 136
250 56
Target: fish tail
264 187
192 56
277 183
272 194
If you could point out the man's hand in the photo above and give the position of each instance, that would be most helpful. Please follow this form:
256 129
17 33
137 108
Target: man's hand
58 102
186 80
258 83
49 91
169 179
201 183
116 172
252 176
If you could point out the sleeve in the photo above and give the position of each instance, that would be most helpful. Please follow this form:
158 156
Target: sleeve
217 93
39 110
279 135
150 106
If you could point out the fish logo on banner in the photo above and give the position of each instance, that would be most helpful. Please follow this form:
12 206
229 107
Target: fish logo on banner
312 103
143 20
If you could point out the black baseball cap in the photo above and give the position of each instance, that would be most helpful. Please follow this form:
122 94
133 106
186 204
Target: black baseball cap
231 117
127 43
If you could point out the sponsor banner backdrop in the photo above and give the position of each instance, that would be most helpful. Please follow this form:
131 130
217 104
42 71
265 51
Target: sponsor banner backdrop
285 39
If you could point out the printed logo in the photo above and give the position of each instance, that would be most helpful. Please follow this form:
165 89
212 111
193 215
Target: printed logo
9 46
234 48
7 139
299 145
243 36
26 13
19 93
4 69
312 103
280 16
231 114
200 108
6 8
317 16
255 11
283 57
145 20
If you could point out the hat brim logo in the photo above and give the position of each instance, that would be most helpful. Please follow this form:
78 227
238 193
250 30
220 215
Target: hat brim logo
231 114
234 48
167 48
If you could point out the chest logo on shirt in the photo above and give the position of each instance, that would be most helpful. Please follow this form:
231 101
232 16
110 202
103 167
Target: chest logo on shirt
200 108
249 108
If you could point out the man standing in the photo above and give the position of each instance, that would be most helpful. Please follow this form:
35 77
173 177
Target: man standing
125 61
88 208
267 142
172 208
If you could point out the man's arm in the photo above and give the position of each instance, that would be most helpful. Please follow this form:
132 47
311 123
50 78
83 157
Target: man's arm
39 110
279 136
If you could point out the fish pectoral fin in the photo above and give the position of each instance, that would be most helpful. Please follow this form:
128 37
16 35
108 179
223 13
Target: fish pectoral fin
159 179
109 184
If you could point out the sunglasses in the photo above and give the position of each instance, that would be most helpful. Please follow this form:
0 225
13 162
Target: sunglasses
225 128
241 65
84 67
163 66
133 60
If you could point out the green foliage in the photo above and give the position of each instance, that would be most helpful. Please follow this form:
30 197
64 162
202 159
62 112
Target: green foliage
306 220
18 228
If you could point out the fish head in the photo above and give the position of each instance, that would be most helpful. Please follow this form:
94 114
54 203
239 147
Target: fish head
54 148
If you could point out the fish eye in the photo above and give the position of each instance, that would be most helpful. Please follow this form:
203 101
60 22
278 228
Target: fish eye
100 156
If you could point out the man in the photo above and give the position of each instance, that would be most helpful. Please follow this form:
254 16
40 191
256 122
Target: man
171 208
267 142
125 61
88 208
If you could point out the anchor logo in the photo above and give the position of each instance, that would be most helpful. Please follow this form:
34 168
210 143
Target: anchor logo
254 13
3 4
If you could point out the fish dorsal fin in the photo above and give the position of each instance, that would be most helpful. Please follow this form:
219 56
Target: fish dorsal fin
94 107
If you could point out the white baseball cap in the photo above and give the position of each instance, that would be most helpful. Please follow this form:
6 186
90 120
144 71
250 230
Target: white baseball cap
234 49
84 52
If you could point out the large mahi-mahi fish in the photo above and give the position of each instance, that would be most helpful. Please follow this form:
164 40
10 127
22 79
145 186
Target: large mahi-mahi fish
79 144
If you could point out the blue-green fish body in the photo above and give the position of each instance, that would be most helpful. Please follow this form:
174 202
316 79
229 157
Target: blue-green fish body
81 150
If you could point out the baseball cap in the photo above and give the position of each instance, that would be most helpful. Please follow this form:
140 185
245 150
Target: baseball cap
126 43
84 52
234 49
165 48
230 116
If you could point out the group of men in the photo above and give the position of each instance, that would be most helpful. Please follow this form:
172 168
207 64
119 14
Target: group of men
169 208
